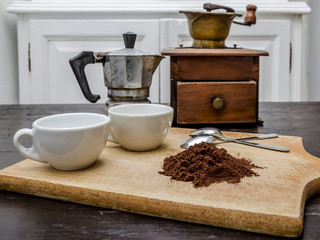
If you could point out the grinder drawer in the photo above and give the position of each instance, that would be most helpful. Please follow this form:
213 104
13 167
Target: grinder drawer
219 68
216 102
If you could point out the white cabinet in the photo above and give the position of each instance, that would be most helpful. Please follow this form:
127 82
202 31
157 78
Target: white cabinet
51 32
53 42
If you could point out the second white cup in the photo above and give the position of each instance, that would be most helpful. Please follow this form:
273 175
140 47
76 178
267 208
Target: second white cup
140 127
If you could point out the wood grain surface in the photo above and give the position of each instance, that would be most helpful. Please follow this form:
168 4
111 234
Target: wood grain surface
271 203
239 102
207 68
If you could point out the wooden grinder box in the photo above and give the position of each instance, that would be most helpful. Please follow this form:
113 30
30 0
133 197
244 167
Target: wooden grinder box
214 85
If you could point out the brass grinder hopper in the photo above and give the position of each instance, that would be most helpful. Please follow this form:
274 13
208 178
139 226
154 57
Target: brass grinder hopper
210 29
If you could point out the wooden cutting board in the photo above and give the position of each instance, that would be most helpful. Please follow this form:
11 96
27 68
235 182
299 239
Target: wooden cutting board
271 203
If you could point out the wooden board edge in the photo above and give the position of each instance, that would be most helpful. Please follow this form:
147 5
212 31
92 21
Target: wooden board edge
251 222
312 188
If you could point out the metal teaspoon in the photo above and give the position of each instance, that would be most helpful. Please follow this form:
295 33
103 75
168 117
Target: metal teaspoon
211 130
217 133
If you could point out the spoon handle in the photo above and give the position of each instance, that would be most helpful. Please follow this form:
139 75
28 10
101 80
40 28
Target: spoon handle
264 136
282 149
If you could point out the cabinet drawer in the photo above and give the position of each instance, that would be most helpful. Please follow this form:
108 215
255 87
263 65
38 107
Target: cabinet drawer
195 102
215 68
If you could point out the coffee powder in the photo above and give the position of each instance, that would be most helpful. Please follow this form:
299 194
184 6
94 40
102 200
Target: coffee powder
204 164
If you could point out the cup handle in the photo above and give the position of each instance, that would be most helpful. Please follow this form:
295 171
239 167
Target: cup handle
31 152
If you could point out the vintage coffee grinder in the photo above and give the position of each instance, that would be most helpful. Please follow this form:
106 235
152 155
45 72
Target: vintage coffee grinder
127 73
210 82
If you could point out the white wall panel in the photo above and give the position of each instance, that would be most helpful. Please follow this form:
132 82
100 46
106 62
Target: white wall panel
51 48
56 30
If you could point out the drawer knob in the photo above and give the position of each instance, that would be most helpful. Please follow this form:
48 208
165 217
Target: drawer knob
217 103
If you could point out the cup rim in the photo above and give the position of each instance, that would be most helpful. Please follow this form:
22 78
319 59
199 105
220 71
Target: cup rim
166 107
104 121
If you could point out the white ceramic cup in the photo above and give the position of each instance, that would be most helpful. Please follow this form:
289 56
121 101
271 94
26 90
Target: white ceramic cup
68 141
140 127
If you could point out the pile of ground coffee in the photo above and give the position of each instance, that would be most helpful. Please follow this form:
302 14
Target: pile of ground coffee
204 164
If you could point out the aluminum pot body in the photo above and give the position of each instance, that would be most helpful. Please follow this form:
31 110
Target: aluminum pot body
129 76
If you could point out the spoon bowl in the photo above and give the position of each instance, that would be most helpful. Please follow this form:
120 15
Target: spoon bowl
198 139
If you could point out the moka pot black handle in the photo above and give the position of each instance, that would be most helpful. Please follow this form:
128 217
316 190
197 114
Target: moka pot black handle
78 64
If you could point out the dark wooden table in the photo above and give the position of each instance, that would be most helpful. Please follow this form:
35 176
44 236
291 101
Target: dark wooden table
30 217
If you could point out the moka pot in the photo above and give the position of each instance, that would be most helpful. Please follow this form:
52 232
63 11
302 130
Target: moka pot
127 73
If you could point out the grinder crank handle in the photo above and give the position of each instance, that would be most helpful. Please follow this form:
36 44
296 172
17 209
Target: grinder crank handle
250 18
251 15
210 7
78 64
